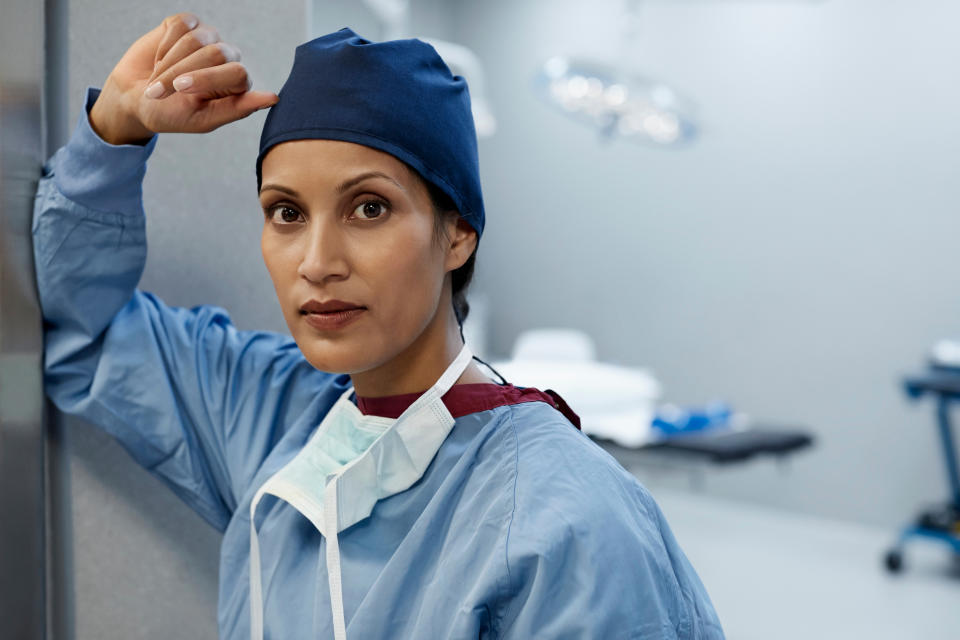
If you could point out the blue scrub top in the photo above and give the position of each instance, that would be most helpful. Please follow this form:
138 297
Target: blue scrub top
521 527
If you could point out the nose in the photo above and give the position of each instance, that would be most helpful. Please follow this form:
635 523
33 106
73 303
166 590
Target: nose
324 256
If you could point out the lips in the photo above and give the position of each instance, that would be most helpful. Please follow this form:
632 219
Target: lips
330 306
331 315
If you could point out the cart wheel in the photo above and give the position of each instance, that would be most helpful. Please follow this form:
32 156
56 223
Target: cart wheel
893 561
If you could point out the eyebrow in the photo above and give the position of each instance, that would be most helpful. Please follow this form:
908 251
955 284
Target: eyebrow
346 184
281 188
341 188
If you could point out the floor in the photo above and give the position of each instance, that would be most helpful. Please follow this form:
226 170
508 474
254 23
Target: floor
779 575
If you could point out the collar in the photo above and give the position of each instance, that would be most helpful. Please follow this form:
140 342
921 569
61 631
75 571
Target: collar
464 399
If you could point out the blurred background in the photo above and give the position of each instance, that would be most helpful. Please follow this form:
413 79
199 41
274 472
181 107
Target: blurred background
747 208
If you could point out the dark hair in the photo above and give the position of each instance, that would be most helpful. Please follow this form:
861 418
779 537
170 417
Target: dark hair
443 207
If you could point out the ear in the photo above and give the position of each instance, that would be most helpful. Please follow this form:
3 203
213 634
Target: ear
463 242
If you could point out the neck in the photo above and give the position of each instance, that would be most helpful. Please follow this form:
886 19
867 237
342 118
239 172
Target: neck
419 366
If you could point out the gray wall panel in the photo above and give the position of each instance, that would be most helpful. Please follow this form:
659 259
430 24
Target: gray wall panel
22 443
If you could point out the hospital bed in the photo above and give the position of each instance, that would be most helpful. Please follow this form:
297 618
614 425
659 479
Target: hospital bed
695 454
619 407
730 446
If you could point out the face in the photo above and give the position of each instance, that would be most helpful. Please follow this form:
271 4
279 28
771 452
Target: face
350 242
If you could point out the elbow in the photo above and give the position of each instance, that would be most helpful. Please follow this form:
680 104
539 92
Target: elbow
68 370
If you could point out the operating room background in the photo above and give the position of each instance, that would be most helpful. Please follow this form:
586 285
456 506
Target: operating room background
794 260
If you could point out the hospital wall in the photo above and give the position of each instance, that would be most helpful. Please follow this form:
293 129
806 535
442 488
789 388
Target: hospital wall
796 260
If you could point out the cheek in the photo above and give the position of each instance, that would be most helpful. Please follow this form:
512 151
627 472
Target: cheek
406 269
280 261
268 250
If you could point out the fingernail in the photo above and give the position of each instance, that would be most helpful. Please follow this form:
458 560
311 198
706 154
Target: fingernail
182 82
190 21
154 91
231 52
205 37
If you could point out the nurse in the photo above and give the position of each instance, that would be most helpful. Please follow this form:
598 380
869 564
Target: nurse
369 479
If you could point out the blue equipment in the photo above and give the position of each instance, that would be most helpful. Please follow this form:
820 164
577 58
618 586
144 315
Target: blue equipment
675 421
942 522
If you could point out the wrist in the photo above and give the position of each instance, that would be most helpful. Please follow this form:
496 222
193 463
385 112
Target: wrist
97 174
115 124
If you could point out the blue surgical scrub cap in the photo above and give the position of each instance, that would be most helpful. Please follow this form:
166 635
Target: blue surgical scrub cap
396 96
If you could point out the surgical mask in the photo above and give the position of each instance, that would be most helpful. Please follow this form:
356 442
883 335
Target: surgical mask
349 463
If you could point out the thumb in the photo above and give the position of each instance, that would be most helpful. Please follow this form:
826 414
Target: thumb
255 100
231 108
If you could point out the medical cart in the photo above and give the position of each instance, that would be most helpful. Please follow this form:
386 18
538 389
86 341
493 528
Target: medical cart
942 522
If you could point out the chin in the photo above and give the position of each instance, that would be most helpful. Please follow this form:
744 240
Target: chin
346 356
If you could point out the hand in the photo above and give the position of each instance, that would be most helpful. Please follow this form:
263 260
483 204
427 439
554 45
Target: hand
179 77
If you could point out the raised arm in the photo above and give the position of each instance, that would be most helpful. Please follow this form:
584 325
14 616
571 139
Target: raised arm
193 399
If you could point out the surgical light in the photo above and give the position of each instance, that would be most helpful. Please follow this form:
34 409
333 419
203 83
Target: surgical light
615 103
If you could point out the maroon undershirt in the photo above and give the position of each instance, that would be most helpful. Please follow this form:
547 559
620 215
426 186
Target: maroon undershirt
464 399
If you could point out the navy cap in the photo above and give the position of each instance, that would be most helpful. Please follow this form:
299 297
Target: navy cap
396 96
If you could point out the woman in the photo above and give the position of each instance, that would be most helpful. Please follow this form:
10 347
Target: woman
369 479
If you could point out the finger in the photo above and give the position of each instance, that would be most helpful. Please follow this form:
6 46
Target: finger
148 42
174 28
214 82
189 42
236 107
211 55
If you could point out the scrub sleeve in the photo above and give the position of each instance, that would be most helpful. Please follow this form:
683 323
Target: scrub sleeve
194 400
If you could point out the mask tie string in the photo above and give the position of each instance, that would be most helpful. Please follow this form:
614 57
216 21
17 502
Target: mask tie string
334 578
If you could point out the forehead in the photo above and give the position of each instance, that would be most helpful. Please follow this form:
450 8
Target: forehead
329 161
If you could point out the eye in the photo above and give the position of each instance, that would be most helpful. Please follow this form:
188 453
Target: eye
370 209
287 214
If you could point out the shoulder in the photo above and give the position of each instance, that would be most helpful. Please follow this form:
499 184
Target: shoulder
566 478
587 540
551 451
555 478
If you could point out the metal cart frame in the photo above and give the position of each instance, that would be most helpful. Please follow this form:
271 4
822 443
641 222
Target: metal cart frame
942 523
